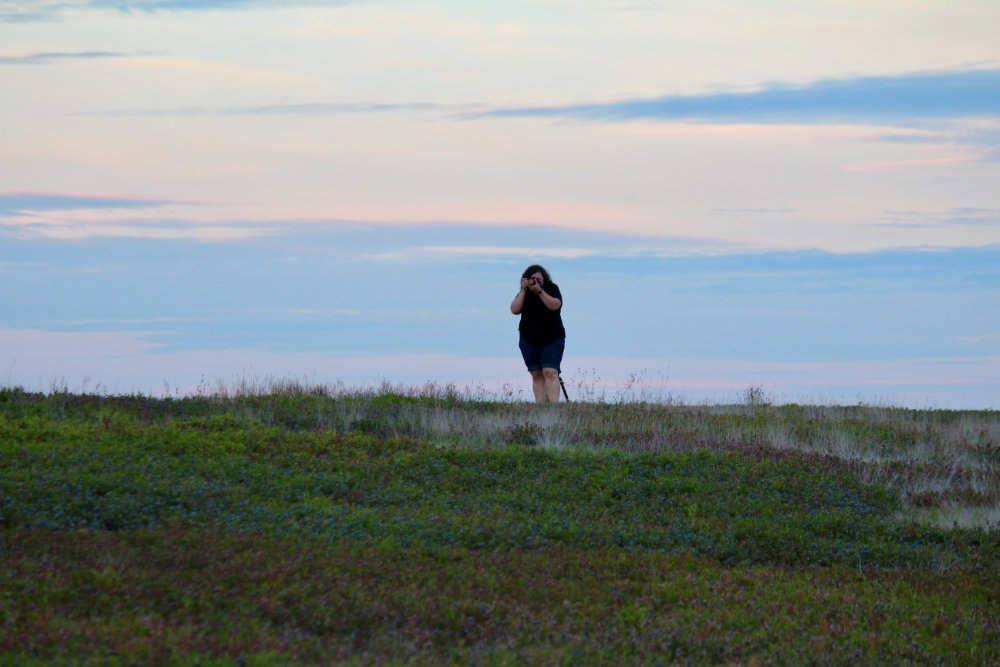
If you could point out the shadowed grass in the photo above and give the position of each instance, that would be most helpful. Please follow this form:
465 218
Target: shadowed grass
196 596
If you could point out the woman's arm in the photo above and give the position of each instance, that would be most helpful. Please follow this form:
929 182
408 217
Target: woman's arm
518 303
551 302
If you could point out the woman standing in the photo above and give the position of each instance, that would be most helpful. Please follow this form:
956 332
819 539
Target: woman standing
542 334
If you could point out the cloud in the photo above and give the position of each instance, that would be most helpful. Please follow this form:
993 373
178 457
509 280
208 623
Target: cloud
981 134
958 134
26 203
308 298
934 101
326 109
895 166
302 109
161 230
979 339
754 211
23 12
60 345
14 11
870 99
485 251
973 216
194 5
48 57
963 216
125 362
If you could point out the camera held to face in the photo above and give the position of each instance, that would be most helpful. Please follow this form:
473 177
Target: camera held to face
531 280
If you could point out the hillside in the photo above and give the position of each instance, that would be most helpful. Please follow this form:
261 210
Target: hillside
302 526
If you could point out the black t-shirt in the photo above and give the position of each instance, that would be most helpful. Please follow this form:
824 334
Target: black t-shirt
539 325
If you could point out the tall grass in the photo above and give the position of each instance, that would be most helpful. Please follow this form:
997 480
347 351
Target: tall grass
943 464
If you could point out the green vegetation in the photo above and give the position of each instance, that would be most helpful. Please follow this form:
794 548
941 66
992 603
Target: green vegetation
298 525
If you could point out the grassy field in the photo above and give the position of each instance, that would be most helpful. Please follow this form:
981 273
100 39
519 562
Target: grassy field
297 525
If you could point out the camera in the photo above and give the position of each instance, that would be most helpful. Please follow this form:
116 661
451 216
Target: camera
531 281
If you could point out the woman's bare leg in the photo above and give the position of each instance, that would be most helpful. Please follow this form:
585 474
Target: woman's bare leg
538 384
551 384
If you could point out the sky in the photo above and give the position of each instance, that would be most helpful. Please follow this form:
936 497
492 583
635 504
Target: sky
801 197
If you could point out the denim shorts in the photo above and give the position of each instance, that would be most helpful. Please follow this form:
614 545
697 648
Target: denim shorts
542 356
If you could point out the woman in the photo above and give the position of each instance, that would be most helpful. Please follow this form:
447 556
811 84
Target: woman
542 334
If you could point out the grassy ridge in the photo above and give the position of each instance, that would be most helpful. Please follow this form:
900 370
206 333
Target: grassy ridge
943 465
304 528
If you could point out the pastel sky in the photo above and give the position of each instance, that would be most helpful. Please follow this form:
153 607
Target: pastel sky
798 196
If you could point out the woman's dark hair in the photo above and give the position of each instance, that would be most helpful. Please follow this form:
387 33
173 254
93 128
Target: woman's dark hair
535 268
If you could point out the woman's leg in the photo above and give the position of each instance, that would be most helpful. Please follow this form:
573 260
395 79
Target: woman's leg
533 362
551 376
538 384
550 357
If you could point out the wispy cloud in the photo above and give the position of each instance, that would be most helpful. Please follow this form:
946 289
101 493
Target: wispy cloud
125 362
26 203
160 5
50 57
974 216
484 251
929 100
754 211
315 293
325 312
979 339
325 108
301 109
895 166
962 216
913 96
15 11
959 134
